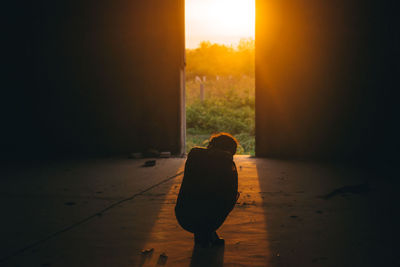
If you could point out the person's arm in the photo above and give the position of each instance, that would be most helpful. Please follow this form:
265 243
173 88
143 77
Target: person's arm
235 178
186 181
230 185
235 183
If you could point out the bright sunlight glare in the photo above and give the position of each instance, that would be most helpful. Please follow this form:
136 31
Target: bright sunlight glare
219 21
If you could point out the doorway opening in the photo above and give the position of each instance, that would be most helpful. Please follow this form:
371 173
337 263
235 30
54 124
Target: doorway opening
219 76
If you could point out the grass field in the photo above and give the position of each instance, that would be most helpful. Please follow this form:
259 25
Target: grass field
227 74
228 106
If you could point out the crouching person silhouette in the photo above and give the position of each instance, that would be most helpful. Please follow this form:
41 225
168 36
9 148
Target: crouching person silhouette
209 189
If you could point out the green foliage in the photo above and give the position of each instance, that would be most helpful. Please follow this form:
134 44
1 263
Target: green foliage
219 60
229 104
228 107
231 115
193 139
246 142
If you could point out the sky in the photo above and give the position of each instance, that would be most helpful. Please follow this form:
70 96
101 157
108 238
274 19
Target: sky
219 21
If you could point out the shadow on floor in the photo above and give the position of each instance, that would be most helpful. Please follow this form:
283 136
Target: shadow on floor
212 257
113 238
352 228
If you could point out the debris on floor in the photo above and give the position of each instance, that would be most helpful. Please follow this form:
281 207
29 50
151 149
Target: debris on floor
162 260
352 189
148 251
152 153
149 163
165 154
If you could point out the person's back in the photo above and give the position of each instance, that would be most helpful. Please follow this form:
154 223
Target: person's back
209 189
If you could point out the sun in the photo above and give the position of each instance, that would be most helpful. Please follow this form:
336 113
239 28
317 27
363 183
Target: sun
220 21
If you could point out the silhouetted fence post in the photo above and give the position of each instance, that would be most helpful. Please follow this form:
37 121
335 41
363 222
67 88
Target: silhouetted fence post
202 91
202 81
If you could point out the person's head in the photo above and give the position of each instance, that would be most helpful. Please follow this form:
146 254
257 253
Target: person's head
223 141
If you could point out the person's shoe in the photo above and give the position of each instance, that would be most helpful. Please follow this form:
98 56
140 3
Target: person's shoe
216 240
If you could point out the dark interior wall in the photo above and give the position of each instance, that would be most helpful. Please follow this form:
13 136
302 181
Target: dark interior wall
327 79
95 77
90 77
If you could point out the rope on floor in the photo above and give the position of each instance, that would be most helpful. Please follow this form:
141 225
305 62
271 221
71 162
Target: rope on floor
99 213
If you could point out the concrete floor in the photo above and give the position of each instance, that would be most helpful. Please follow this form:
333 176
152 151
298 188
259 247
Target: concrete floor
53 214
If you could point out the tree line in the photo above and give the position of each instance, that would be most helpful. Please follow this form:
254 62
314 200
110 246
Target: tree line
212 60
